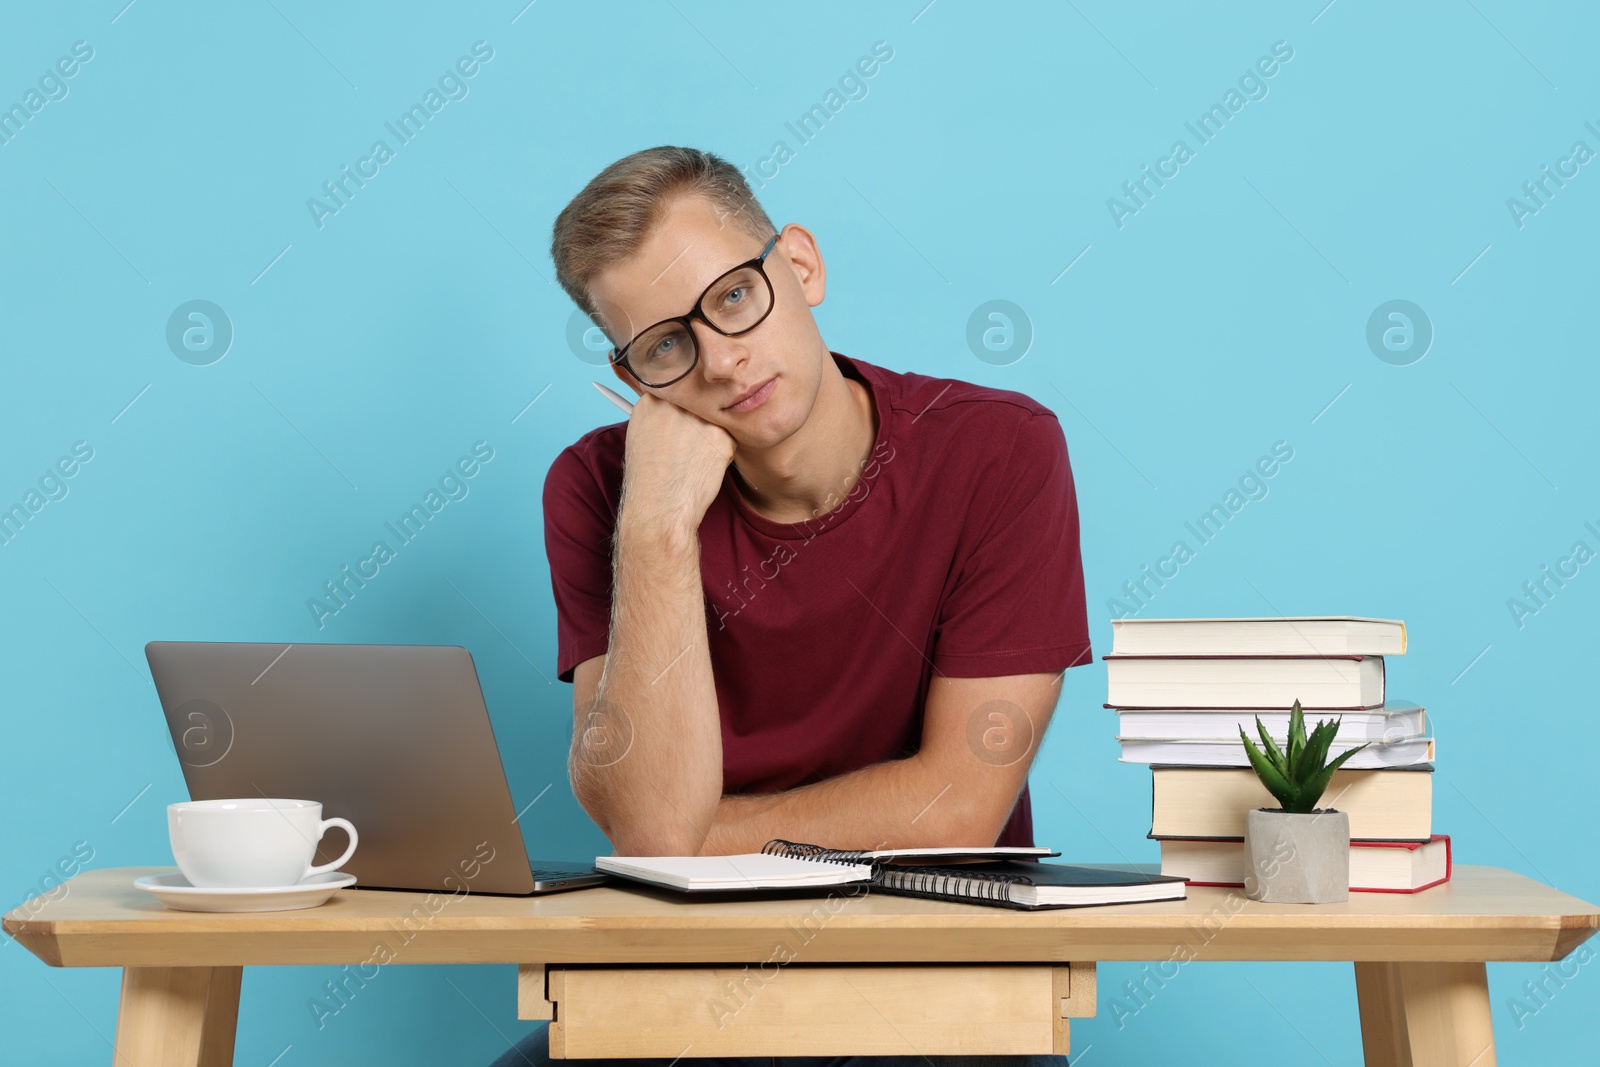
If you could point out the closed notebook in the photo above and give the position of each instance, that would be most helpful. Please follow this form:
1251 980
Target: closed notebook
1007 883
1020 884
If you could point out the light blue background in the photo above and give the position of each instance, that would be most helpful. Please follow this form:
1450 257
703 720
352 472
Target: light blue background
1228 314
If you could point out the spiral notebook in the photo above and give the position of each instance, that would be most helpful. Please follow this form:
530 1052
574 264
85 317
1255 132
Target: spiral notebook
1005 883
750 871
914 857
787 865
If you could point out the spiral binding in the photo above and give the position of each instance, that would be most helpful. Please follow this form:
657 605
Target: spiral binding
950 885
799 851
940 883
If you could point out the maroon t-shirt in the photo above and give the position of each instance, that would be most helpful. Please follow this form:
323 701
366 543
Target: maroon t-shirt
956 551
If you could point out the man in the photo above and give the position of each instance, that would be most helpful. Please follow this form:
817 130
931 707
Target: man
798 595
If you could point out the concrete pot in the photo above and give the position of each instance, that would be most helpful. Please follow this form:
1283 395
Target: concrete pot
1297 858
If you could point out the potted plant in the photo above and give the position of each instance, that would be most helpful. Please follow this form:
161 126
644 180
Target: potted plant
1298 853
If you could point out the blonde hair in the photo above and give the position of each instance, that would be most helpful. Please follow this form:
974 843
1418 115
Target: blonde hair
615 213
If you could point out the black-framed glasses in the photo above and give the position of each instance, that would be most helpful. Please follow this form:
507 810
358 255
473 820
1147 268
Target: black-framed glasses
738 301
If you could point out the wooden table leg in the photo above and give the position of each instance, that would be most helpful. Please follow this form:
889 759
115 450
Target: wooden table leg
533 996
1425 1014
177 1016
1075 998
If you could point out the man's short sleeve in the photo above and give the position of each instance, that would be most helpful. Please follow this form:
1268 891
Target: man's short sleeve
1017 606
577 540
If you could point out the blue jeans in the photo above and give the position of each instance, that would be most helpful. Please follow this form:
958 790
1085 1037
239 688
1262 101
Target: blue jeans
534 1051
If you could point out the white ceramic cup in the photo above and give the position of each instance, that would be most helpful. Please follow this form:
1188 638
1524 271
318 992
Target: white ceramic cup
254 842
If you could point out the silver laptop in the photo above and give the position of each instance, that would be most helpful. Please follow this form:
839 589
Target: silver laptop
395 738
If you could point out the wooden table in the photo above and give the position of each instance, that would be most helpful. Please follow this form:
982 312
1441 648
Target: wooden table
636 972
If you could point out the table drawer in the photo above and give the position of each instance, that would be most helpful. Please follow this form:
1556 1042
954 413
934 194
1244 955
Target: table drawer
807 1009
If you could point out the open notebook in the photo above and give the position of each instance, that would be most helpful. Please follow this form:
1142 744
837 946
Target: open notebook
787 865
755 870
1003 877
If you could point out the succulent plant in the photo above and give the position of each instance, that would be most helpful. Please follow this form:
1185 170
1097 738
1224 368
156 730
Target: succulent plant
1298 774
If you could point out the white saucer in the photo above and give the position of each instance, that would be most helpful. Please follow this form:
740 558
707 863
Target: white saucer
174 891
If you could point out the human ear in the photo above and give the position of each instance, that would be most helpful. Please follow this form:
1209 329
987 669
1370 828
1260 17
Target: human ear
627 378
805 261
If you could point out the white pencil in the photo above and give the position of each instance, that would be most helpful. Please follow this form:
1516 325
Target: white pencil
621 402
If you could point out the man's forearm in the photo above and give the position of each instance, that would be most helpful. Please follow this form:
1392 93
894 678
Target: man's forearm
908 803
653 782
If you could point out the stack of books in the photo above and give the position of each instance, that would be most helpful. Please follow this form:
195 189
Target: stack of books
1182 689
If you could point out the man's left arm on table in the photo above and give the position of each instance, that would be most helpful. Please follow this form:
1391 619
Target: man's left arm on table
979 737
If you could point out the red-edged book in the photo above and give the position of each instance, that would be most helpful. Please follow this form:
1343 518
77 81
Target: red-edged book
1375 866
